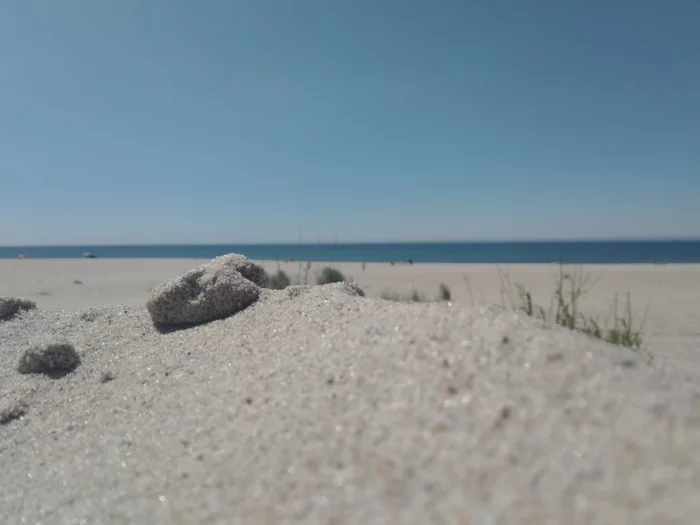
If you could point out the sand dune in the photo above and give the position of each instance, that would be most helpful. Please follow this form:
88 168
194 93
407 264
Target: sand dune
316 405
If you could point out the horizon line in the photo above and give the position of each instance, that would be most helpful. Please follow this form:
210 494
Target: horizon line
336 243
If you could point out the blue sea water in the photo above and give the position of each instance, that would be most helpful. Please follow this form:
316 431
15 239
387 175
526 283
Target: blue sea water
579 252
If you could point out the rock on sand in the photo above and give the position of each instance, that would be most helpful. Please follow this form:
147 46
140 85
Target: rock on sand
49 357
214 290
10 306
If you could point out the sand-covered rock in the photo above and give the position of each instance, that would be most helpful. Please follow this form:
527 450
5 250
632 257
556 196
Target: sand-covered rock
48 357
247 268
214 290
11 306
11 411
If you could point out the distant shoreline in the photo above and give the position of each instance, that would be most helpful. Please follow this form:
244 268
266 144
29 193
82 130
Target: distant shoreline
495 252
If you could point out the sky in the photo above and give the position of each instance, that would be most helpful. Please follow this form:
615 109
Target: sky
230 121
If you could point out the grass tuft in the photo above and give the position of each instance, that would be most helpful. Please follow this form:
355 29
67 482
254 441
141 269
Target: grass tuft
416 296
444 293
278 281
565 310
330 275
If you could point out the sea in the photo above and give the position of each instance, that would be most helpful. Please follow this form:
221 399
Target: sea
571 252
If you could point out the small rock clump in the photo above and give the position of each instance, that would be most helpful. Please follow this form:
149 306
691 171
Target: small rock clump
11 306
107 376
12 411
215 290
49 357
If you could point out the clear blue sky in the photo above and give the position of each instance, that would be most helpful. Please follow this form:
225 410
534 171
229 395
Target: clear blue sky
166 121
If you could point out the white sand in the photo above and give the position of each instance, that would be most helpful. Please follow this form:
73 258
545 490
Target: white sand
320 407
669 295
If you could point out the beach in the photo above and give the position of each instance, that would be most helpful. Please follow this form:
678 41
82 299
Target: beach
666 298
321 405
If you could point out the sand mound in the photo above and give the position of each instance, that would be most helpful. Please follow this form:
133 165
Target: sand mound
317 405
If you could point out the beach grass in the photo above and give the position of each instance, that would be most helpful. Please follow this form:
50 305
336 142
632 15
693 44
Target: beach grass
444 293
416 296
565 308
330 275
278 281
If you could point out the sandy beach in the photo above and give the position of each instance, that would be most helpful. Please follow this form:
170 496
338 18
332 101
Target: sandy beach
196 325
665 297
317 405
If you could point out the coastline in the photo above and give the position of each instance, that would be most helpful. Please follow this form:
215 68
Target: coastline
584 251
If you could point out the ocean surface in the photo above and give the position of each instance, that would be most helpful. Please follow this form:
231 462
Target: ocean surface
580 252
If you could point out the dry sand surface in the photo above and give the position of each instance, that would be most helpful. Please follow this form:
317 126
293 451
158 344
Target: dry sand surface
666 297
315 405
